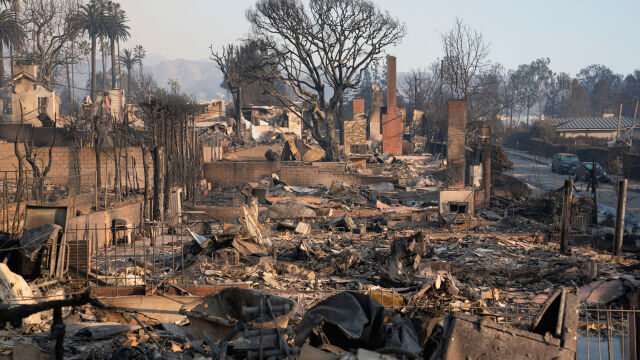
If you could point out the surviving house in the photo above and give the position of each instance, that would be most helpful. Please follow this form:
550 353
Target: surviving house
40 105
605 127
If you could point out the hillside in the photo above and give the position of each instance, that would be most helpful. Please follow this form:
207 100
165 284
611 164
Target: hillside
198 78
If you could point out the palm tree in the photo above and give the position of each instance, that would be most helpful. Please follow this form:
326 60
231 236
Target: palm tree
117 30
11 34
90 19
85 52
140 54
129 60
104 51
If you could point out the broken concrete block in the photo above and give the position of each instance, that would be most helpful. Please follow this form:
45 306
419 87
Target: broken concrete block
383 187
344 222
386 158
290 210
303 228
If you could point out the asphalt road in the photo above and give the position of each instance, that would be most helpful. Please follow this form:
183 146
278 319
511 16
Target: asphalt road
536 172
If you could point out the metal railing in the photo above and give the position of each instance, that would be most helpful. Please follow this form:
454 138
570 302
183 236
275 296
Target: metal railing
127 255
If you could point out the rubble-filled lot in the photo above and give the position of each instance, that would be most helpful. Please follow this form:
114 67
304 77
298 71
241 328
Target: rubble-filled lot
375 264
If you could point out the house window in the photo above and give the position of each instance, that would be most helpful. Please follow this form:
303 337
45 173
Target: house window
6 106
42 104
458 207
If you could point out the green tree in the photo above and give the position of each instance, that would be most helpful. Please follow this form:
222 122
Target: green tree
11 34
90 19
128 60
140 54
116 30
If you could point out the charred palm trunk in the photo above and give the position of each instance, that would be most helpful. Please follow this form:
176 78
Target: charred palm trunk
93 68
147 180
158 180
114 84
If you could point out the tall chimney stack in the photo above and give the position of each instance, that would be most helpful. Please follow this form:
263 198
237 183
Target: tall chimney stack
392 121
456 162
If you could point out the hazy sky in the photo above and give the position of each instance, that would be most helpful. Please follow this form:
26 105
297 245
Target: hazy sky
572 33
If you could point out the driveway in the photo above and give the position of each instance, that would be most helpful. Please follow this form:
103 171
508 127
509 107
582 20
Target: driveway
536 172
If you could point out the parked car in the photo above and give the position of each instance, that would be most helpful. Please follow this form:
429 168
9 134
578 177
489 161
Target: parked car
562 162
581 171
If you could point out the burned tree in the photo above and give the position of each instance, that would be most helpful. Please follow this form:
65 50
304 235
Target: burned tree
51 29
176 153
327 47
248 71
32 156
465 56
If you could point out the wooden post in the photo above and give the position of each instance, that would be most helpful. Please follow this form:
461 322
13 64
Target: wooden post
566 216
622 205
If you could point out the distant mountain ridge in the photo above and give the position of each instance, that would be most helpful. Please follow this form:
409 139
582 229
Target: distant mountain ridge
199 78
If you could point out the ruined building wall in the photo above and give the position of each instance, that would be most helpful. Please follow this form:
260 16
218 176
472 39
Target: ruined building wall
63 167
355 131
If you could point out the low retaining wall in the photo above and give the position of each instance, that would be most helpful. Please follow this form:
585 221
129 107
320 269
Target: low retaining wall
232 173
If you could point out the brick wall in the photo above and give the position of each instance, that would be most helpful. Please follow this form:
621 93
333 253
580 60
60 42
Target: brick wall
231 173
457 121
63 165
358 106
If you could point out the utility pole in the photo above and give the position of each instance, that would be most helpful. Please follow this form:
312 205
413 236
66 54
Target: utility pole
566 216
622 205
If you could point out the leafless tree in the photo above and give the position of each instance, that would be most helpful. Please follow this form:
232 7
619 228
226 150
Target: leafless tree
50 31
419 87
465 56
243 65
32 155
327 47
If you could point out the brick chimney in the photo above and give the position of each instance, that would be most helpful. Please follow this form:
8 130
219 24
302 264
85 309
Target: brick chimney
358 106
392 91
